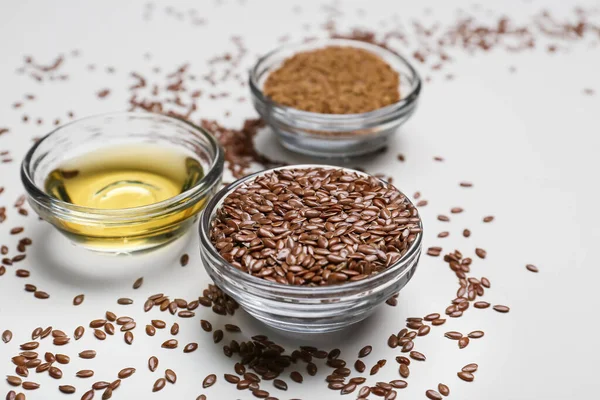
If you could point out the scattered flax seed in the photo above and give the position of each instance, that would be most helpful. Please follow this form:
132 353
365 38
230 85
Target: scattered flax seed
170 344
159 384
152 363
209 381
100 335
453 335
365 351
87 354
7 336
138 283
206 326
84 373
456 210
232 328
125 301
476 334
481 253
466 233
532 268
100 385
296 377
443 218
171 376
103 93
78 299
466 376
126 373
190 347
78 332
438 158
466 184
404 370
470 368
443 389
501 308
67 389
433 395
184 260
401 157
128 337
30 385
89 395
434 251
481 304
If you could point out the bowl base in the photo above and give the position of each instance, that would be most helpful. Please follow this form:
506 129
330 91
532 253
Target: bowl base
342 149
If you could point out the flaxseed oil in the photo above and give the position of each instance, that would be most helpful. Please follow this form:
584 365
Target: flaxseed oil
123 178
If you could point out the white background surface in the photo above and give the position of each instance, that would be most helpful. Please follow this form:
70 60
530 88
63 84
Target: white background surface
528 141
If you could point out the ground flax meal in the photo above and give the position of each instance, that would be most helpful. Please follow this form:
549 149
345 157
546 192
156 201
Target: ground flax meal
334 80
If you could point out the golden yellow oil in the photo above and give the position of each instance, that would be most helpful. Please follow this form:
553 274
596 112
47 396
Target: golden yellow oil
123 178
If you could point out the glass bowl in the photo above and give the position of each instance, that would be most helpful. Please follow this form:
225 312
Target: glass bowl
132 229
302 309
334 135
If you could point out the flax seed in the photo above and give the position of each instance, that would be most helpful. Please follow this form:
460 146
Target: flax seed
126 373
501 309
209 381
481 253
85 373
67 389
7 336
138 283
206 326
169 344
532 268
443 389
128 337
78 332
190 347
466 376
476 334
159 384
170 375
87 354
100 335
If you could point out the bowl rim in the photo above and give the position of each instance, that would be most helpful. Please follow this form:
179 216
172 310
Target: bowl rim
404 101
313 291
211 177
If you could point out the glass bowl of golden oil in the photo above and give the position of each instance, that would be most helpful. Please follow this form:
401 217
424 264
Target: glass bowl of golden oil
123 182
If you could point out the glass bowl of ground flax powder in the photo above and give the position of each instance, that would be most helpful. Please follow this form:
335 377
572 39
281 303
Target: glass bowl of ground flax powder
334 97
310 248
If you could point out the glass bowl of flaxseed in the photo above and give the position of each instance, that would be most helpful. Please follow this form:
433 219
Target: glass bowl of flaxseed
310 248
334 97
